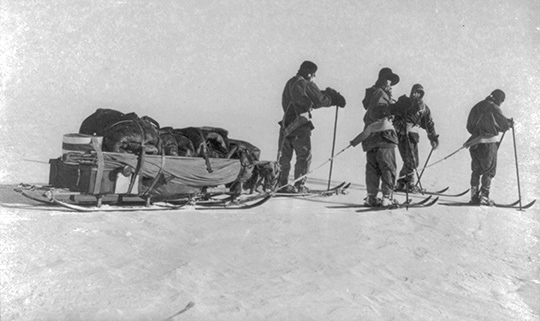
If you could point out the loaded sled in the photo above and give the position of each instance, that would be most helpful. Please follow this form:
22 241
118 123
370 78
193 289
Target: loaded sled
86 178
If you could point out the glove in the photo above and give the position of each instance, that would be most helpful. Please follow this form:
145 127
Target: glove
434 141
339 101
329 91
337 98
511 122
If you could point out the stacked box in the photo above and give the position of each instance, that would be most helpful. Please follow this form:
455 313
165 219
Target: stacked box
80 177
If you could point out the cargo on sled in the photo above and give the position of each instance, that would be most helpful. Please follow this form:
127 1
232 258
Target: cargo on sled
85 178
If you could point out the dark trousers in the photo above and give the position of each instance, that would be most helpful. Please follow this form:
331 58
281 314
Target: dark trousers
408 150
302 147
483 165
381 170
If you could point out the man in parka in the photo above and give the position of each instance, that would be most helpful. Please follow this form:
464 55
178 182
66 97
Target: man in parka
382 140
300 96
485 122
406 126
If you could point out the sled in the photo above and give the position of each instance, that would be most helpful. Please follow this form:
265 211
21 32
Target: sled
94 180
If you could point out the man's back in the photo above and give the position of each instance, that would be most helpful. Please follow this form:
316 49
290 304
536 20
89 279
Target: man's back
486 119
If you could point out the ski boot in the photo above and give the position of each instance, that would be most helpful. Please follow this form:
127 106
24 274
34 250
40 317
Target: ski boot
302 189
475 196
413 189
388 201
400 186
289 189
484 198
372 201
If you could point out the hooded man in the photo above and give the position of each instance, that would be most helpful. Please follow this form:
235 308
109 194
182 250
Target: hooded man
382 139
406 126
486 121
300 96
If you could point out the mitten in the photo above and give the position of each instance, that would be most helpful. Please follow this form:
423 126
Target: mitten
434 140
336 97
511 122
339 100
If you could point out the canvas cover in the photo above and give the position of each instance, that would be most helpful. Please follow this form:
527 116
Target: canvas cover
157 173
190 171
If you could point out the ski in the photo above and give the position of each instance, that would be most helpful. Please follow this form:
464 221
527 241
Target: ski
436 192
469 204
41 200
510 205
364 206
441 192
339 189
331 191
244 205
515 205
448 195
426 202
423 191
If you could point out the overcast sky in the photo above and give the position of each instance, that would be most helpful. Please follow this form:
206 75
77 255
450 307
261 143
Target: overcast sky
224 64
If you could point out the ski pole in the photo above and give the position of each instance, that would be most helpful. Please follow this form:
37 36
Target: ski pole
470 142
424 168
35 161
418 182
311 171
500 141
333 148
407 181
440 160
517 167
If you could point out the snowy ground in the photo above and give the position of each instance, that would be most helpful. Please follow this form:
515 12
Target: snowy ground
290 259
224 64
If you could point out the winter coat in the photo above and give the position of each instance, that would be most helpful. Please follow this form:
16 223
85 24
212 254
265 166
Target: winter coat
379 108
301 96
422 118
486 119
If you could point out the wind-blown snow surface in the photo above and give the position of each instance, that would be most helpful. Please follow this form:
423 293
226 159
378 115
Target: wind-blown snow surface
290 259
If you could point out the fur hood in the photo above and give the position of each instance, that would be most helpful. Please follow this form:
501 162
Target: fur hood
417 87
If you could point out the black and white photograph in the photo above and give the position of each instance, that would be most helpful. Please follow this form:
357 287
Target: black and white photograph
275 160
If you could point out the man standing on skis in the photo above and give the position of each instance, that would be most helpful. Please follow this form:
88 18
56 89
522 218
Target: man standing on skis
300 96
485 122
406 126
380 139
